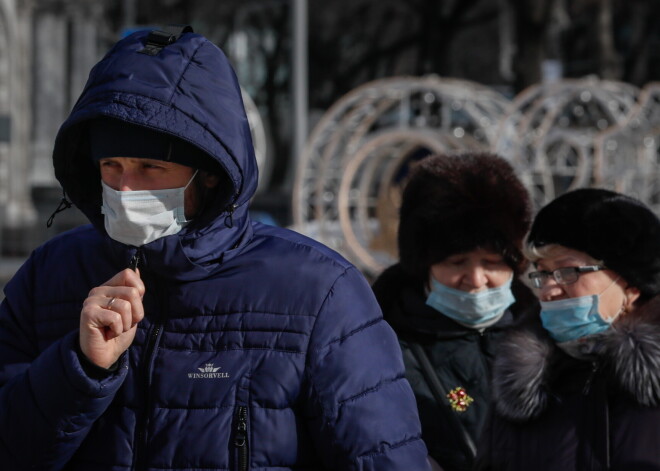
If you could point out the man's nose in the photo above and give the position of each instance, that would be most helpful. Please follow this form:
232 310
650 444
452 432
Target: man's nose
128 181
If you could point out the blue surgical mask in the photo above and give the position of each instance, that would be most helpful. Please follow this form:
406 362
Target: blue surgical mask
574 318
471 309
139 217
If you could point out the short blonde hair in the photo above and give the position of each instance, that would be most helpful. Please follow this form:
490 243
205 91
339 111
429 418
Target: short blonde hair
534 253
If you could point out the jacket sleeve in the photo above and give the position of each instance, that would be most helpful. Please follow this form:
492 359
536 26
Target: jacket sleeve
47 403
364 412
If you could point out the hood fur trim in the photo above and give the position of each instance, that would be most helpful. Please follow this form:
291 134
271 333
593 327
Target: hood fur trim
519 375
630 352
632 348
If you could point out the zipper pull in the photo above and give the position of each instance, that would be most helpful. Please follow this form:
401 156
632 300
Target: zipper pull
229 219
64 204
135 259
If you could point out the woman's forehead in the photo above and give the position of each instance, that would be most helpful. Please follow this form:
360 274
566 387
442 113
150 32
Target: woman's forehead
560 255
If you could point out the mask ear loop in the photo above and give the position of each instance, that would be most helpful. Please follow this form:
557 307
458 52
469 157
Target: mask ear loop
184 195
611 284
616 316
191 179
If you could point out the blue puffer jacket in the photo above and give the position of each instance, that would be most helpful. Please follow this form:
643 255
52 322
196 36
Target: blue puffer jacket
261 349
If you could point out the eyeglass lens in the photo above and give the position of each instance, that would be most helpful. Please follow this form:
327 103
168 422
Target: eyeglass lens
563 276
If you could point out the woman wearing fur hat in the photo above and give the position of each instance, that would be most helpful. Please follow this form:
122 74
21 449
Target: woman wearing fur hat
455 291
583 393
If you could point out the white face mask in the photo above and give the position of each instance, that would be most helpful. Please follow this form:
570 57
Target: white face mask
139 217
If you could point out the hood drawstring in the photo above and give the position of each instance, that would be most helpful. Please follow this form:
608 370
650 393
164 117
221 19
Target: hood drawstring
64 204
229 219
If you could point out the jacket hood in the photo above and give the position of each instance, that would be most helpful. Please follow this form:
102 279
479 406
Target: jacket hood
187 90
529 360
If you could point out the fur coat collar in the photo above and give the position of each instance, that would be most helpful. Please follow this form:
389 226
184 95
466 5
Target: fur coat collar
629 353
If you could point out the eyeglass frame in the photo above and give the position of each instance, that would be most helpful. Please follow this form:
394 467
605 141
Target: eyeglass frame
539 277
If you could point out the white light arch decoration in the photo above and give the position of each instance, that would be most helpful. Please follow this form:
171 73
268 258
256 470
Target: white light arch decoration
627 156
349 178
17 210
7 36
549 131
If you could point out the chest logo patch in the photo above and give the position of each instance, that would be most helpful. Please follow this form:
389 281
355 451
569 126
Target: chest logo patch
208 371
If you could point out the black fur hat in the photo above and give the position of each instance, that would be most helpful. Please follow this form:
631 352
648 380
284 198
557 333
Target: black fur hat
456 203
617 229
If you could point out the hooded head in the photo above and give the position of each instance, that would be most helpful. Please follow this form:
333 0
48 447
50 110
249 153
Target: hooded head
616 229
166 94
110 137
456 203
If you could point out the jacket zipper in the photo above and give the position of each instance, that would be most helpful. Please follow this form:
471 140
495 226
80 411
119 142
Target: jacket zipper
141 441
604 430
139 461
587 385
483 341
241 439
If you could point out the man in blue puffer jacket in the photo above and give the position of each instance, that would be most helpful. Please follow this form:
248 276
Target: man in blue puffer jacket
173 333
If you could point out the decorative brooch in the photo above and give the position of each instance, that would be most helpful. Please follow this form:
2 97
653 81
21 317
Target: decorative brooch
459 399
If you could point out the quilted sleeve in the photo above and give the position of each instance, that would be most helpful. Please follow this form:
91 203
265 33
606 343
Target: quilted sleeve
47 403
366 415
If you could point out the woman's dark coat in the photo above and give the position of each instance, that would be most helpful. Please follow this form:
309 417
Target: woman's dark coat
554 412
461 357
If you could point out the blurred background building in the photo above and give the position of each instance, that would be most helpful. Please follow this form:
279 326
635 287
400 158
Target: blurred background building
343 96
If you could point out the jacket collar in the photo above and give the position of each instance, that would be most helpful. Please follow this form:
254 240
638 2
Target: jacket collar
528 361
182 258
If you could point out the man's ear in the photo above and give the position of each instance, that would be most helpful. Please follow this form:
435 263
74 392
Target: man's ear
209 180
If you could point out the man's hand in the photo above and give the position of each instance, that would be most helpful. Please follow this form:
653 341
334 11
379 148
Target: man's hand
109 318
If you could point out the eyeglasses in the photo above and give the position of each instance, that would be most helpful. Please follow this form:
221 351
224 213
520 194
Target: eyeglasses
563 276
